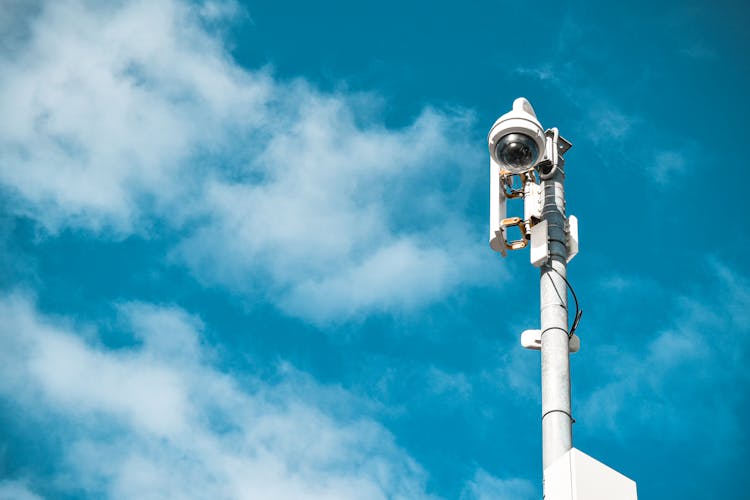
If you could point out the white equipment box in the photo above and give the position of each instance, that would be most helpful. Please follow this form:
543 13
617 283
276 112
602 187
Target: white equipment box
577 476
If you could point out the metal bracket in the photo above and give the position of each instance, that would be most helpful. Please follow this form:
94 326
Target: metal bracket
557 146
563 145
532 339
517 222
512 192
508 189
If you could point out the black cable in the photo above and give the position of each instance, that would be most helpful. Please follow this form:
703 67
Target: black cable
579 311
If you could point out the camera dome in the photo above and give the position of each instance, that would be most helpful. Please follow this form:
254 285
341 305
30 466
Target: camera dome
517 152
516 141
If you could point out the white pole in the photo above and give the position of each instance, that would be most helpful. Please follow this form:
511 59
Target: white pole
557 418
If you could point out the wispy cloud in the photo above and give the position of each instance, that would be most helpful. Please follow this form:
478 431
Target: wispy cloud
699 52
157 419
16 490
581 69
668 165
658 381
103 107
484 486
132 114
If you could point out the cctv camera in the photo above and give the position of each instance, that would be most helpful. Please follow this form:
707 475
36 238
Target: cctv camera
517 152
517 140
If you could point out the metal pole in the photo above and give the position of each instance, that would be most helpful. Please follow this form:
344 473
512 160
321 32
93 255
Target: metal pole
557 418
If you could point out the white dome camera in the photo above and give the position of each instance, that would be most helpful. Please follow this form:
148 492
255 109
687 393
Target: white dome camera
516 140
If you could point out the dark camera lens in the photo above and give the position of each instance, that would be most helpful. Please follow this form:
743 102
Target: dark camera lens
517 151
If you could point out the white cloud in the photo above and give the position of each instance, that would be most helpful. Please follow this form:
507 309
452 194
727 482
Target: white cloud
518 368
455 384
699 52
666 385
105 103
144 422
16 490
621 137
667 165
484 486
347 220
601 120
604 124
118 116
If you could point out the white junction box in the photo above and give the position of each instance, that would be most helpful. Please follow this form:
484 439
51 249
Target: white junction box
572 237
539 244
577 476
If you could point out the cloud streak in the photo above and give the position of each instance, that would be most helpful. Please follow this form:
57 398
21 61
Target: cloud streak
130 115
656 382
155 419
487 487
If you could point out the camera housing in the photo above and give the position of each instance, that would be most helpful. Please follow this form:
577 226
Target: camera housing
516 141
518 145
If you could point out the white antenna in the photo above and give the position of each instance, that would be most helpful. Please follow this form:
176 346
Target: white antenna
527 162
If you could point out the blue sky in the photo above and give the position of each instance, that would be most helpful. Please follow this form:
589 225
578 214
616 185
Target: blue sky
244 247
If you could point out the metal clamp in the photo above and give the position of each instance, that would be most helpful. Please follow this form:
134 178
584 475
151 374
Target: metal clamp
508 189
516 192
518 222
